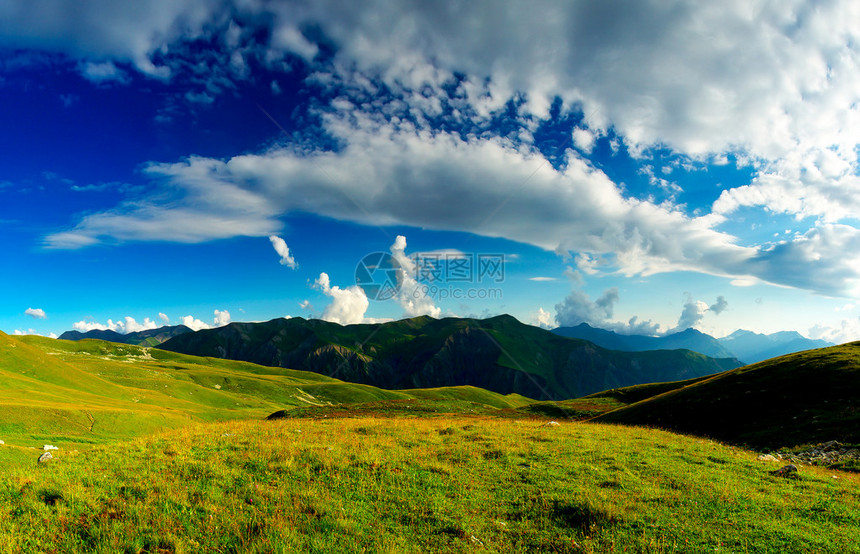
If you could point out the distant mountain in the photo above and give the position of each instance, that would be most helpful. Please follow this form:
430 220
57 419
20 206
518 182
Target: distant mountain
498 354
753 347
802 398
151 337
689 339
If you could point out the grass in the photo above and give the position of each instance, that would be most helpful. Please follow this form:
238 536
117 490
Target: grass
74 394
804 398
161 452
447 484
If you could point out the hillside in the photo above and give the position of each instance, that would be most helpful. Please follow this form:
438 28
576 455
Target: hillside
689 339
498 354
150 337
755 347
803 398
64 392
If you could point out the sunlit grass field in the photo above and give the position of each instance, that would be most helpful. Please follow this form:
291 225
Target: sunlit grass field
442 484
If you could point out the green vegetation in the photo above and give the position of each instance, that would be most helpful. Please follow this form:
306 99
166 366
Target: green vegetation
498 354
73 394
798 399
164 452
450 484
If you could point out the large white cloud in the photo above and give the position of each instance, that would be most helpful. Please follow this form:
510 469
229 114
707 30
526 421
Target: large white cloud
396 174
776 83
348 305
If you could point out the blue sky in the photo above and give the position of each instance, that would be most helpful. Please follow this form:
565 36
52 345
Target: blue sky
640 166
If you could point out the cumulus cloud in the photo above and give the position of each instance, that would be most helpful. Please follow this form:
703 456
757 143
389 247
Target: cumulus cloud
719 306
578 308
543 319
411 295
848 330
195 324
347 306
164 319
222 318
283 251
694 311
775 84
123 326
36 313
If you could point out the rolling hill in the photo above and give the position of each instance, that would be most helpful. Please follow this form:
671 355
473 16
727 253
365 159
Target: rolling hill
802 398
66 392
499 354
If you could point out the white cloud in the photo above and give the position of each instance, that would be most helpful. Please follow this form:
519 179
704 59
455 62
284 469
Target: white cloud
694 311
578 308
542 279
195 324
412 296
102 72
36 313
543 319
123 326
848 330
164 319
283 251
583 139
222 318
775 84
347 306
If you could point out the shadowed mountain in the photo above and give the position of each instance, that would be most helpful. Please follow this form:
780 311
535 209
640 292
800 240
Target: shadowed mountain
150 337
754 347
498 354
689 339
801 398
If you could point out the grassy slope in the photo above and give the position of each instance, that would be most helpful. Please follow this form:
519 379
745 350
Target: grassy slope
422 485
74 393
802 398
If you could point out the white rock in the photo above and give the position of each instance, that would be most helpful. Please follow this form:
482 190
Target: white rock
550 424
49 447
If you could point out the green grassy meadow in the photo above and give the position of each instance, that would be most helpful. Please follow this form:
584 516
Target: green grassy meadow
444 484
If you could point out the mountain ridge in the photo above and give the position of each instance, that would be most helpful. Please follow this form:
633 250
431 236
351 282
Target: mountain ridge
499 354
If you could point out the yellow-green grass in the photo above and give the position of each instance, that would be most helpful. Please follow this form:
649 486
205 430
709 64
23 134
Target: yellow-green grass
71 394
452 484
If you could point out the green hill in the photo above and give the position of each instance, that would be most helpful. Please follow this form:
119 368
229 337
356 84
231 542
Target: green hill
54 391
499 354
803 398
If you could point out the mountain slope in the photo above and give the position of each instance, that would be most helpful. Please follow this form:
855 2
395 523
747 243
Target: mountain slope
689 339
801 398
754 347
150 337
91 390
498 354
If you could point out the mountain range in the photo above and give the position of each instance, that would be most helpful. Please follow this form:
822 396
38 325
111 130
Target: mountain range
499 354
747 346
150 337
